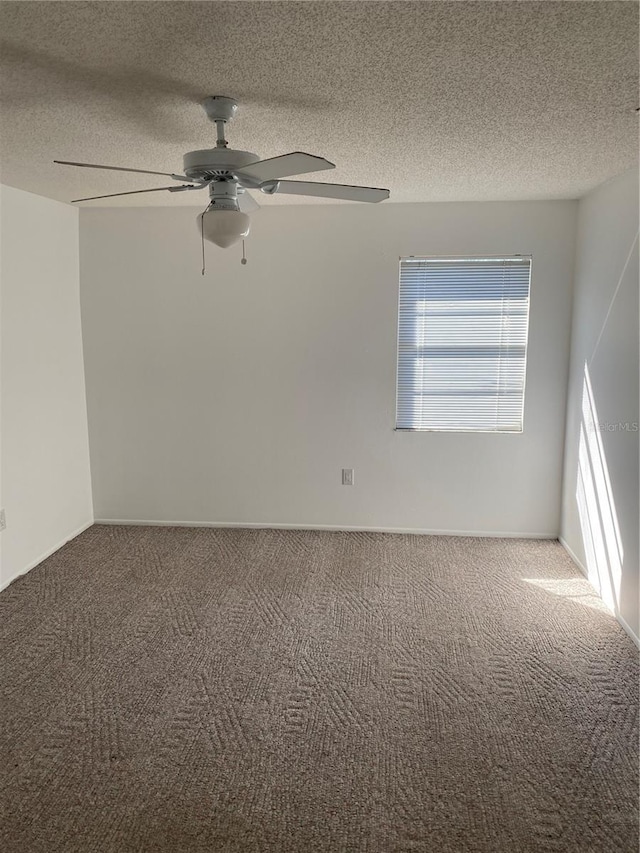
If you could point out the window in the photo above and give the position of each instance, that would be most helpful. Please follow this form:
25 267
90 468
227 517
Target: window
462 343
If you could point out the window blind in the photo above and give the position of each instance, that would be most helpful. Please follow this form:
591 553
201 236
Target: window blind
462 343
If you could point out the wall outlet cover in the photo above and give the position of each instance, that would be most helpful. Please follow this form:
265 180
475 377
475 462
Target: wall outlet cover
347 476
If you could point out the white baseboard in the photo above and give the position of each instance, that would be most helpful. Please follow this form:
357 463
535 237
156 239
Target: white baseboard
623 624
47 553
266 525
573 556
626 627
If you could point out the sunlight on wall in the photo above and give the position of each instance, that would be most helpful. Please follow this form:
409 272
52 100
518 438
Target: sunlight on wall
596 506
579 590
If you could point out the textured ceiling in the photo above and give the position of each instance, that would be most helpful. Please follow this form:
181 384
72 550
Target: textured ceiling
435 100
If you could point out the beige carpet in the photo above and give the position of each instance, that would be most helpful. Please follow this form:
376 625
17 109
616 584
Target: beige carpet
176 689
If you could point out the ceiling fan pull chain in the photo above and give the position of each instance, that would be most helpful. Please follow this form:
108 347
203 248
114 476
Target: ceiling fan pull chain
202 236
244 259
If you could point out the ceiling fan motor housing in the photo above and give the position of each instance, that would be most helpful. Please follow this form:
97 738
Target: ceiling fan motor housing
212 163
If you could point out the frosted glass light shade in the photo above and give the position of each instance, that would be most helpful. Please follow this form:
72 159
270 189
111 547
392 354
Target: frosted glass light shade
224 227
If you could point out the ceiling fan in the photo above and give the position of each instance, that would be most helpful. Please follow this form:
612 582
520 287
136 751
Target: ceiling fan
229 174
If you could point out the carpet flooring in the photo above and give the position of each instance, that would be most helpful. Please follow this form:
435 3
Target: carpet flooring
187 690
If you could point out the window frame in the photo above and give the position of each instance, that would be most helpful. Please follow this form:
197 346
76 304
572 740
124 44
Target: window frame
488 257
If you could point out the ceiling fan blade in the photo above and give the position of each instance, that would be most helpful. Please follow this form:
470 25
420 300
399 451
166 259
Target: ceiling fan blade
247 203
296 163
135 192
120 169
343 191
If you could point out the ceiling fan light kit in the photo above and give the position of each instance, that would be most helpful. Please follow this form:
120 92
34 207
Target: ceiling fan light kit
230 173
223 227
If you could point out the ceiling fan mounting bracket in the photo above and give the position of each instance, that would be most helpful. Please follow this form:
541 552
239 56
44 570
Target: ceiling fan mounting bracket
220 108
270 187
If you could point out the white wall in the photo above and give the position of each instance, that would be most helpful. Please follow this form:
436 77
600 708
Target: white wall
239 397
46 484
600 510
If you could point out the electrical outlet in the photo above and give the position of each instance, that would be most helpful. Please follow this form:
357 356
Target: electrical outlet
347 476
3 520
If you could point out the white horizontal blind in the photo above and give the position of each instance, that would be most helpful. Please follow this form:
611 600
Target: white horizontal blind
462 343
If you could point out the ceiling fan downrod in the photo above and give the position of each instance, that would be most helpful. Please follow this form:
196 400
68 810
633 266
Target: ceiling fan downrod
220 110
